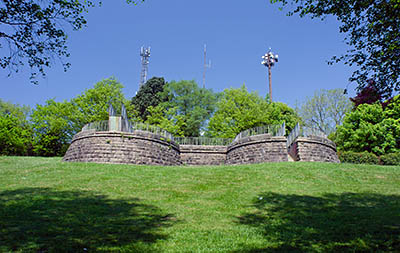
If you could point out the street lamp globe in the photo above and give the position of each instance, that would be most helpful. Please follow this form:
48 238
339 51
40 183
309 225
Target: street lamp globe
269 60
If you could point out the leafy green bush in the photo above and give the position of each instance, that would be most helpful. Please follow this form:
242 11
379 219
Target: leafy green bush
371 128
360 158
348 157
391 159
368 158
15 137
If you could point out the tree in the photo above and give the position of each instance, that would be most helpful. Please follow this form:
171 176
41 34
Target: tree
32 32
194 104
325 110
372 128
15 139
372 28
52 126
168 120
280 112
148 95
18 111
92 105
55 123
238 110
368 95
15 131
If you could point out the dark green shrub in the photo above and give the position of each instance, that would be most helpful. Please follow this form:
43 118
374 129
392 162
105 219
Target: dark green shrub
391 159
360 158
348 157
368 158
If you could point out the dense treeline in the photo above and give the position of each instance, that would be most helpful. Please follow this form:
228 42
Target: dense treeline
185 109
47 129
180 107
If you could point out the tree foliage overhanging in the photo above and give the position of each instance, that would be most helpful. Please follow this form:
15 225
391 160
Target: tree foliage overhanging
373 33
32 32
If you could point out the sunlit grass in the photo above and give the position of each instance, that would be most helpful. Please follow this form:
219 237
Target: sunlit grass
49 205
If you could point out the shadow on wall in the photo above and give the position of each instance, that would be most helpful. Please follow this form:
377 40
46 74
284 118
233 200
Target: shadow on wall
44 220
348 222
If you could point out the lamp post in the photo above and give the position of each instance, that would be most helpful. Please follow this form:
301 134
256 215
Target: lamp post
269 60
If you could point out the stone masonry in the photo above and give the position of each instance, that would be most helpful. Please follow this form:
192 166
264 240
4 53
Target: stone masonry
257 149
202 155
316 149
139 147
142 147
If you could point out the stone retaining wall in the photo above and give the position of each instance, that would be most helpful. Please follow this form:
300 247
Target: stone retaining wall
202 155
257 149
119 147
141 147
316 149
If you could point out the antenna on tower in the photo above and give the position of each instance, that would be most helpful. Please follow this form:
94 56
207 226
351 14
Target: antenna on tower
145 55
205 66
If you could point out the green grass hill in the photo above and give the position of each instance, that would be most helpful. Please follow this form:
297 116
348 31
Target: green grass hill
47 205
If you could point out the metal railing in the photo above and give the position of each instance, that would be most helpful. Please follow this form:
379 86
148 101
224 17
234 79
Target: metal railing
293 135
97 126
137 126
303 131
130 127
309 131
203 141
274 130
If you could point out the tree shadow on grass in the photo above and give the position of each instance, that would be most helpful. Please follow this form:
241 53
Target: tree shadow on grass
348 222
45 220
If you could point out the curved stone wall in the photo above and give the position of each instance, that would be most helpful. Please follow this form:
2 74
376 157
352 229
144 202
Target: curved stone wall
139 147
202 155
315 149
142 147
257 149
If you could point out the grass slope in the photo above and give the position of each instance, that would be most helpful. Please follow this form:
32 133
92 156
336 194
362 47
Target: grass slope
47 205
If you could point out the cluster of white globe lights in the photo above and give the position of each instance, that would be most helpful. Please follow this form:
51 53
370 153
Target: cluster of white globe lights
269 59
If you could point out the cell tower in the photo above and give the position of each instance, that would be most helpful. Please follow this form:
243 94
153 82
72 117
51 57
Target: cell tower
145 54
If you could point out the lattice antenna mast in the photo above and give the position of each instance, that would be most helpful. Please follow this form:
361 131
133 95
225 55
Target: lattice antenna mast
145 55
205 66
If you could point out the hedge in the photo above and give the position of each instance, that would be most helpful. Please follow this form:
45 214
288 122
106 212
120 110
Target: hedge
354 157
369 158
390 159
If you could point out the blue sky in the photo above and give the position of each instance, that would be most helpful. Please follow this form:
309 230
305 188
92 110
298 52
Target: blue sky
237 34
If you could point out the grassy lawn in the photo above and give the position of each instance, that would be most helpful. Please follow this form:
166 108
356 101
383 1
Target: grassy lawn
47 205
